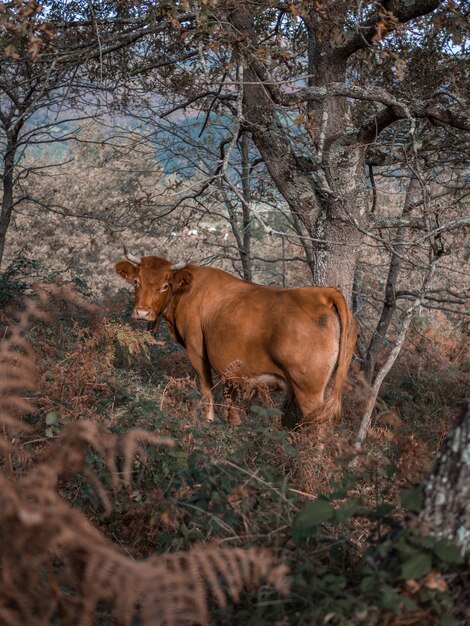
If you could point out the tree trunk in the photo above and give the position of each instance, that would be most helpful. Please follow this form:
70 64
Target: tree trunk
339 224
340 158
7 200
334 220
390 303
290 175
336 258
447 491
246 216
392 357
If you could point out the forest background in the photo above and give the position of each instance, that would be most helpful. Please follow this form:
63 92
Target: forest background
289 143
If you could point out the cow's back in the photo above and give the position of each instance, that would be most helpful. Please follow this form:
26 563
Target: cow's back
252 330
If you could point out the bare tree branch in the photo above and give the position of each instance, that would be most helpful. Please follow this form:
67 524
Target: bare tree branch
399 12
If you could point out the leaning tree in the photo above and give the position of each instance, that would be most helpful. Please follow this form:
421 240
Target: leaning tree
44 97
322 90
330 99
332 96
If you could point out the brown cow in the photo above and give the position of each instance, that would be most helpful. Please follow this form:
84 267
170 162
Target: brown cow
297 340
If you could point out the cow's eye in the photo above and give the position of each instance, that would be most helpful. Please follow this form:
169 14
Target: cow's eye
136 283
164 287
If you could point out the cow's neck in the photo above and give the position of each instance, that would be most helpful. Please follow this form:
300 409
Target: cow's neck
169 315
211 288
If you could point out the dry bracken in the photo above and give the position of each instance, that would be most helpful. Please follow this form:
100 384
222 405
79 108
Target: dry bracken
55 566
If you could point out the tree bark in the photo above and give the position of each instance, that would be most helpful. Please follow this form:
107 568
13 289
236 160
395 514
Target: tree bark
246 216
390 302
7 184
339 161
447 490
289 173
392 357
336 258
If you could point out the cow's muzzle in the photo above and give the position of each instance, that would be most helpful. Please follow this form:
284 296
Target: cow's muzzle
147 315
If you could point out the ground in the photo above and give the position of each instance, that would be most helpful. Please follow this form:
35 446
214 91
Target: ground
339 520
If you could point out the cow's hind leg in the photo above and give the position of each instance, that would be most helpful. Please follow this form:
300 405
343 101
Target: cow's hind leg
311 404
309 382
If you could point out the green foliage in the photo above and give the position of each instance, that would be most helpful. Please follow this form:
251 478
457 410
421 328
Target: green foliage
232 486
376 583
52 424
352 560
412 499
310 517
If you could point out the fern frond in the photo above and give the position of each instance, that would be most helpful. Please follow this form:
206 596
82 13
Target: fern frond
173 589
132 341
55 566
18 374
132 445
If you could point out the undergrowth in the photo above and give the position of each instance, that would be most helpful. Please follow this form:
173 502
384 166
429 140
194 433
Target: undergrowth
55 565
109 528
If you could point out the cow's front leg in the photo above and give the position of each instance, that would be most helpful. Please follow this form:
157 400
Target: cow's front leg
203 370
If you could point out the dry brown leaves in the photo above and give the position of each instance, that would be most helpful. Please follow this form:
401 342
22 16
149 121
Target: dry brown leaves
54 564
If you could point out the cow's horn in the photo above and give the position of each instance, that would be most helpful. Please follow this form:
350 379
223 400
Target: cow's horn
131 257
178 266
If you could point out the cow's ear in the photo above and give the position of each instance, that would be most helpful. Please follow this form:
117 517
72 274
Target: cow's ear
126 270
182 278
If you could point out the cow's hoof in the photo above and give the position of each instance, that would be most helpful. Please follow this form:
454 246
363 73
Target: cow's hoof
210 415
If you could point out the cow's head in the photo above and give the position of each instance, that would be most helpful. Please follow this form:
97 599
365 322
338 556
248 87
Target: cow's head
155 281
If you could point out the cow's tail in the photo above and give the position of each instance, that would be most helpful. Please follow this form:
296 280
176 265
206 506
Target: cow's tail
348 327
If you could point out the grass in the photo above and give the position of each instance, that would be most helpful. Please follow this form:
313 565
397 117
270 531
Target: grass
336 523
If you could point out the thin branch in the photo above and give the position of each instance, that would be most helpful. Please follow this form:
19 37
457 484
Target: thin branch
400 12
392 357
